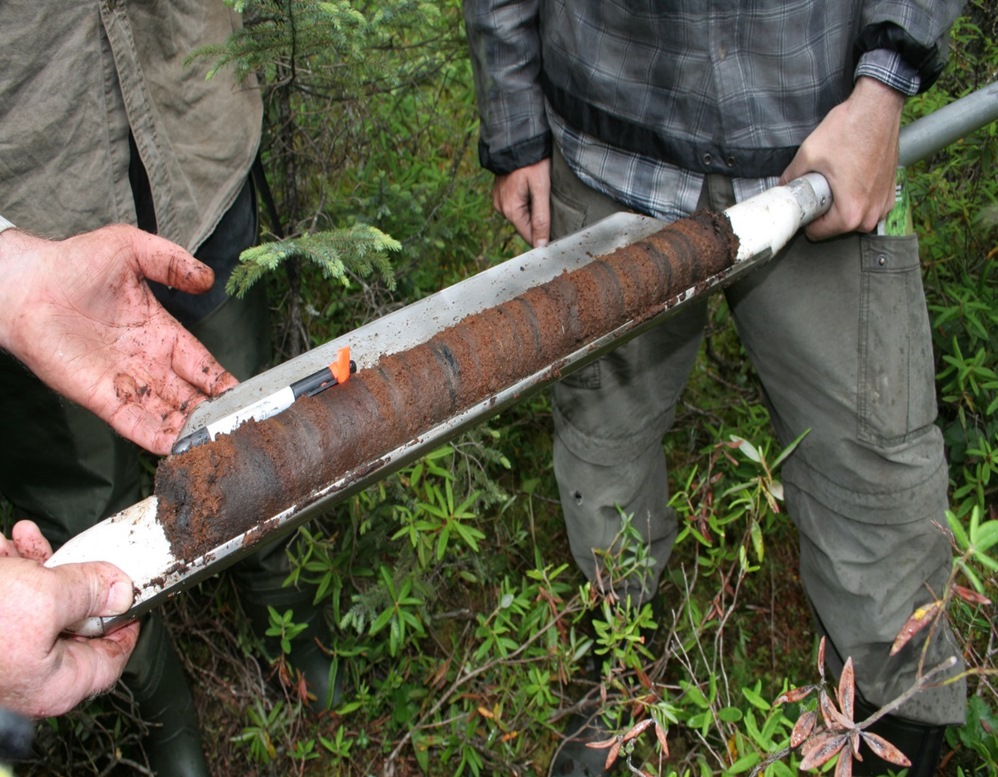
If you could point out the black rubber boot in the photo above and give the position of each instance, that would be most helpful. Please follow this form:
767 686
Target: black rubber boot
16 735
261 585
156 679
307 655
325 691
574 758
922 743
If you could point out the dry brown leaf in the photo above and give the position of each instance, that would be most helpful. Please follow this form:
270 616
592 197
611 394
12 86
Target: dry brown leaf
815 740
970 596
885 749
824 748
919 619
439 677
834 720
612 755
794 695
637 729
854 740
847 689
844 767
603 743
662 740
803 728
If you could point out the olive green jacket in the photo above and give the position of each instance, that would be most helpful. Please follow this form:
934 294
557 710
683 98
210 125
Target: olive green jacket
76 78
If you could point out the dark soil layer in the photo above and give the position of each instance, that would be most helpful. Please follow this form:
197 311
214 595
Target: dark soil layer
217 491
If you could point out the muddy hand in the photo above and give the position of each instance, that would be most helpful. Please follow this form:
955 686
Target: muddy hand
79 314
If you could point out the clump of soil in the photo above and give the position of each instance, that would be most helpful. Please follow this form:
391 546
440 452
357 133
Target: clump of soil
215 492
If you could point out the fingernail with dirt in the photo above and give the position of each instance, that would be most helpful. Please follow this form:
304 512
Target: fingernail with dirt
119 598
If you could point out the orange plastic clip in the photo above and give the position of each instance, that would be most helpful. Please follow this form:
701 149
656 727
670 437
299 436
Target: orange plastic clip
340 367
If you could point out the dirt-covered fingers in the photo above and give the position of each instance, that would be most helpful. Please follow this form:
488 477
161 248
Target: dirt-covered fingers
30 542
193 363
169 264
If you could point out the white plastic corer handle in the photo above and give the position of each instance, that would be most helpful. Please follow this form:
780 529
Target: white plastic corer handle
765 223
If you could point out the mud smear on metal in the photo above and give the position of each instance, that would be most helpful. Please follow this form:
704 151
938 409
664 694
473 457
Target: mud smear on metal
215 492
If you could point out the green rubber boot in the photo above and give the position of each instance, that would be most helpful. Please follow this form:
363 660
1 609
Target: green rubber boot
159 685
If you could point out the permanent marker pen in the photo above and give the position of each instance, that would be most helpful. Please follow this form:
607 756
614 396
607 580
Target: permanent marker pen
336 372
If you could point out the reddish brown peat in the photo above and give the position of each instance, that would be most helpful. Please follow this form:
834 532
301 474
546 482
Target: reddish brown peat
220 490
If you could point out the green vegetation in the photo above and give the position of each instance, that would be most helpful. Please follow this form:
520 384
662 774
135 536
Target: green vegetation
463 629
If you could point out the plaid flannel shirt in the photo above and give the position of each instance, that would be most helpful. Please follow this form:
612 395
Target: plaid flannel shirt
644 98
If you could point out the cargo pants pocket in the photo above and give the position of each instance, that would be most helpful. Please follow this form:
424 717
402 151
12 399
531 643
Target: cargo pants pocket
896 400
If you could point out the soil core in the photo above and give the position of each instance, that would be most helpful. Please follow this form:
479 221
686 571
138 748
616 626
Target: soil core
212 493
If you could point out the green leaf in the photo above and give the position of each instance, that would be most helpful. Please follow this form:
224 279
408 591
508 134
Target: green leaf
747 448
779 769
956 526
770 726
755 699
971 576
757 542
743 764
986 535
789 449
700 720
381 621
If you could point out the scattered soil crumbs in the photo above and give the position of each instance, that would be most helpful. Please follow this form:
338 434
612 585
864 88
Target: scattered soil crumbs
215 492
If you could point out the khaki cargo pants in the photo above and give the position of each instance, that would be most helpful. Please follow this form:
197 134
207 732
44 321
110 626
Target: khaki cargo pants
838 333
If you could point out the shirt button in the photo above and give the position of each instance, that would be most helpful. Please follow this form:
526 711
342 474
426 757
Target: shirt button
708 160
730 161
882 260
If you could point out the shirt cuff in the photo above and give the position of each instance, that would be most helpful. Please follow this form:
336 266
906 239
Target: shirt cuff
888 67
